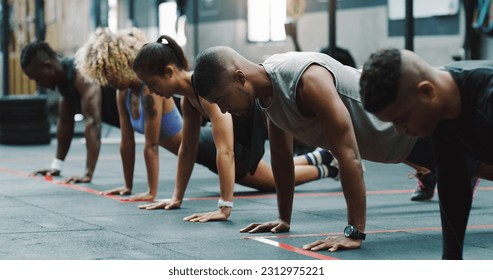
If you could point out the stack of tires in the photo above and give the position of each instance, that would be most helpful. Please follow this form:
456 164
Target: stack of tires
24 120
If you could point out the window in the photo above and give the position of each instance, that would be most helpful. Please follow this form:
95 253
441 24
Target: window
266 20
113 15
167 19
170 24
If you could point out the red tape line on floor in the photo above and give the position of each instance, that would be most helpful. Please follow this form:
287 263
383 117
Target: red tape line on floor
293 249
49 179
118 198
267 239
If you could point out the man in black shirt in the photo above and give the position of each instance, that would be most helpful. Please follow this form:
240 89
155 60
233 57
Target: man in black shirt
453 105
77 95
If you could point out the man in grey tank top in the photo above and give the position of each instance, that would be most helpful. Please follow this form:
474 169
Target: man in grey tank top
314 98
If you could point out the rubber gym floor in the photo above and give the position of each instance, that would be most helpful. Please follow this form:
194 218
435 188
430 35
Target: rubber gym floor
47 220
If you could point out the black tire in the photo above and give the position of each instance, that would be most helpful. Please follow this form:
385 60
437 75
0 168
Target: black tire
21 109
22 100
24 120
27 126
25 138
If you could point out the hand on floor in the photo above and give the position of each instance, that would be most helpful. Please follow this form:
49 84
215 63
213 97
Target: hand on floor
117 191
220 215
166 204
140 197
333 244
274 227
76 179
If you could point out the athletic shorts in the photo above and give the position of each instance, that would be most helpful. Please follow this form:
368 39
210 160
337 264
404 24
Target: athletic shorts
207 153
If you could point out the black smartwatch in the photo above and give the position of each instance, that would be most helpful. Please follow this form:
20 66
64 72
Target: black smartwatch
353 232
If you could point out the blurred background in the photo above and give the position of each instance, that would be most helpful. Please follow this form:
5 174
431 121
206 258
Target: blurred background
440 30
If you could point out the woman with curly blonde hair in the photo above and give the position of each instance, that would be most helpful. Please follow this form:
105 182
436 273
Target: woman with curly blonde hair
107 60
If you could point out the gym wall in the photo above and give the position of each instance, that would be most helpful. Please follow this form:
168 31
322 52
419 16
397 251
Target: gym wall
361 26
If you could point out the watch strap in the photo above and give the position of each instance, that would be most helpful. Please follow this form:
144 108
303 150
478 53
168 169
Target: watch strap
354 233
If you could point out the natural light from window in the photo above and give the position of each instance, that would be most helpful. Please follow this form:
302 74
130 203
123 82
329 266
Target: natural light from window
167 19
113 15
266 20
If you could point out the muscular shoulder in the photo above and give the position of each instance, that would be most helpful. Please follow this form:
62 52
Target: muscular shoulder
84 87
315 85
316 74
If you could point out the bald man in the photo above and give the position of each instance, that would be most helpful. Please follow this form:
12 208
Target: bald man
454 105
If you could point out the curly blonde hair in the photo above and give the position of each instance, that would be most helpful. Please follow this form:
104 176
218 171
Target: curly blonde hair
107 56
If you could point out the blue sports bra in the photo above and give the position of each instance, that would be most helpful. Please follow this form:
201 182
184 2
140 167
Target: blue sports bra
171 123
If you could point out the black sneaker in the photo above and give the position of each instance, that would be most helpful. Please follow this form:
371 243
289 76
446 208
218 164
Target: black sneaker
426 186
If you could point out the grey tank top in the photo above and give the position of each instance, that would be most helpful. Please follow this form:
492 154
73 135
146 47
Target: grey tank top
377 141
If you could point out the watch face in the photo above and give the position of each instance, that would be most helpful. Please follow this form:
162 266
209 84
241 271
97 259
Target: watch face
348 231
352 232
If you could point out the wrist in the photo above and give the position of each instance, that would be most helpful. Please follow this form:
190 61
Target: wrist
177 199
225 210
283 220
57 164
352 232
222 203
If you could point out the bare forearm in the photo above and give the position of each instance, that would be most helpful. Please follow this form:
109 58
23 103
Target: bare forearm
65 132
353 186
281 150
284 177
127 152
226 169
151 156
186 160
93 145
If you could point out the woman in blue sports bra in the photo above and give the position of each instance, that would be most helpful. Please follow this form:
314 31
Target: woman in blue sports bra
139 110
